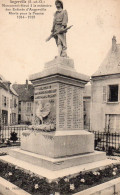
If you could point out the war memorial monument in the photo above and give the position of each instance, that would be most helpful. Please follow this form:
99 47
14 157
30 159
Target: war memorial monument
57 140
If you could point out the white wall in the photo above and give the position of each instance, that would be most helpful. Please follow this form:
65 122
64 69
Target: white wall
99 108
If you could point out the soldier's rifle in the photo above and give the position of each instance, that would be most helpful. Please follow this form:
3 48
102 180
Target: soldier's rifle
61 31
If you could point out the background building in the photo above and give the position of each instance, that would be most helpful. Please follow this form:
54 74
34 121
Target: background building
105 102
87 106
25 105
8 103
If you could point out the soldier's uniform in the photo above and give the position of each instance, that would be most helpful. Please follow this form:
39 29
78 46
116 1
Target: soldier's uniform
60 22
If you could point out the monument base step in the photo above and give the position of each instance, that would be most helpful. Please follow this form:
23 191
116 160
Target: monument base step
53 175
56 163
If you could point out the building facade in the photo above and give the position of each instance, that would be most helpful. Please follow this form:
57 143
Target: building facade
87 106
25 112
13 107
8 103
105 93
25 102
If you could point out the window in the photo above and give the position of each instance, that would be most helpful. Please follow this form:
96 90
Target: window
15 103
19 106
113 93
84 106
4 101
13 118
32 98
29 107
112 123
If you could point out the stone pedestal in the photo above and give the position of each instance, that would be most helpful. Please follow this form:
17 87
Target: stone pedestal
58 105
58 95
58 144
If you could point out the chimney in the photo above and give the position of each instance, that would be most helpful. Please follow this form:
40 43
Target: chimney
7 83
26 84
114 43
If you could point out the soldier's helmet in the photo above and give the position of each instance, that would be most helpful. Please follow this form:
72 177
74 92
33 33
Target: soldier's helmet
59 1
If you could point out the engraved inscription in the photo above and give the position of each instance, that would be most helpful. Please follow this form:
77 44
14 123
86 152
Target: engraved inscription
70 107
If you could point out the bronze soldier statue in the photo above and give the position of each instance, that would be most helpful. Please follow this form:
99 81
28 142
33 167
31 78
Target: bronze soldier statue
60 28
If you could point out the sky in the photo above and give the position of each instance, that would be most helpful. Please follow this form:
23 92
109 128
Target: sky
23 50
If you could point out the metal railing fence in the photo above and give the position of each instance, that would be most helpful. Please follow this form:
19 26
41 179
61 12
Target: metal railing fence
107 141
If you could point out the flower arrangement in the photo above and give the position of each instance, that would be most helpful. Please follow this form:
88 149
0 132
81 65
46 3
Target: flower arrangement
43 127
72 187
13 137
34 185
82 180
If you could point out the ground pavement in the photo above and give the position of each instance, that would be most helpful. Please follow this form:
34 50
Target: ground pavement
6 149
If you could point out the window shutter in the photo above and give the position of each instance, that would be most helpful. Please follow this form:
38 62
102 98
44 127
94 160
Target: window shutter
118 93
104 93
